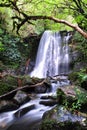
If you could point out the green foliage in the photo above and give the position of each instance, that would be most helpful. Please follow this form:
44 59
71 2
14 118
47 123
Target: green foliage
9 46
5 87
61 97
66 125
2 67
11 52
81 44
72 103
78 77
78 10
81 99
49 8
75 103
1 46
48 125
7 84
82 75
81 95
73 77
74 12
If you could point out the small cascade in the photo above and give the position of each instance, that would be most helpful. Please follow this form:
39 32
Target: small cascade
52 56
52 59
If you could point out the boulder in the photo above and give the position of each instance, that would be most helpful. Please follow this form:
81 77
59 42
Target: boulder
41 89
21 97
60 118
7 106
44 87
23 111
47 97
49 103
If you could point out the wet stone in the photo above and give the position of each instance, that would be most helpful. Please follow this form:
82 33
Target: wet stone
23 111
7 106
48 103
21 98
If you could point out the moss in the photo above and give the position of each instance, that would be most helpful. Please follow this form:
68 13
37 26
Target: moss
48 125
67 125
5 87
61 96
7 84
26 80
12 81
73 76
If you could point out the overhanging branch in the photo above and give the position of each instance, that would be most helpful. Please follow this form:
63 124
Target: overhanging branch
77 28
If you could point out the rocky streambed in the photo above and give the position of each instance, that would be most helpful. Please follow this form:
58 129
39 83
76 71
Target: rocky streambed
49 104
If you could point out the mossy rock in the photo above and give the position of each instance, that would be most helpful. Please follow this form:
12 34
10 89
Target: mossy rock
26 80
67 125
48 125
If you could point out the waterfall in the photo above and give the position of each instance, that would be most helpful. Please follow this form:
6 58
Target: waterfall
52 55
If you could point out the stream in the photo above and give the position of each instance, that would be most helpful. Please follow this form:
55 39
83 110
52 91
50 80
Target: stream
53 58
31 119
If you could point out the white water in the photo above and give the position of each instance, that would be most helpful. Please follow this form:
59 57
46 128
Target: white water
52 59
8 118
28 121
52 56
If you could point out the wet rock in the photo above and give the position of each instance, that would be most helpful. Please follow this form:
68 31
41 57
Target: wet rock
51 114
21 98
47 97
75 55
44 87
48 103
60 118
23 111
68 125
7 106
41 89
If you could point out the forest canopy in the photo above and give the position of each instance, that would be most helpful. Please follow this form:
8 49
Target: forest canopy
24 14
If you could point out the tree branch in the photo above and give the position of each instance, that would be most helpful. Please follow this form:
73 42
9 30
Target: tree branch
26 18
75 27
5 5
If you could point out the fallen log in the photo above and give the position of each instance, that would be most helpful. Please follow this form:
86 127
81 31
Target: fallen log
10 94
56 77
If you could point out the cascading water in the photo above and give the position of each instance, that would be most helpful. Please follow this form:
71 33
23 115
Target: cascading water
52 59
52 56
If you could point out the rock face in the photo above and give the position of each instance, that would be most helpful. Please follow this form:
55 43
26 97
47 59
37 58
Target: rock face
21 97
